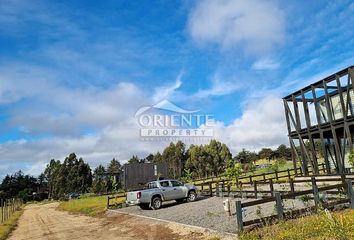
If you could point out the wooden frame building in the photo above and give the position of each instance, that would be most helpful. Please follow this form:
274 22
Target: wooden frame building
324 112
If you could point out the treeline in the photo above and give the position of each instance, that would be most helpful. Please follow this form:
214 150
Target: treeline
22 186
211 159
75 175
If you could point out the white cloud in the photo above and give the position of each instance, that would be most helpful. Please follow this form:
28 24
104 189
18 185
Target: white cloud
256 25
219 87
262 124
164 92
265 64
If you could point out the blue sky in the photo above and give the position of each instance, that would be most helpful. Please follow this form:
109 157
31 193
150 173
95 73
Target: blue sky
73 73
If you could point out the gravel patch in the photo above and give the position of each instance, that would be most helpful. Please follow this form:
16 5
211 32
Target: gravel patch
209 212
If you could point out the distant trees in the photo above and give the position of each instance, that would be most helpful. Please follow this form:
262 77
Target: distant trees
206 160
18 185
73 175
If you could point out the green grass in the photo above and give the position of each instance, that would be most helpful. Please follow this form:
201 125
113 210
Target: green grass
7 227
324 225
92 206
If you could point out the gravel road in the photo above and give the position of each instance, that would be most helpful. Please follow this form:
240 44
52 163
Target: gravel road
208 212
46 222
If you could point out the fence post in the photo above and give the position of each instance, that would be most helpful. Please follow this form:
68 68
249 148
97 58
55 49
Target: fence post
239 220
271 187
108 202
2 210
255 189
289 174
250 177
279 206
264 177
350 192
292 187
276 175
316 196
236 181
228 190
217 190
211 189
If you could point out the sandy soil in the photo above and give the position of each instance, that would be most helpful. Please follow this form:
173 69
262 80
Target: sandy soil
46 222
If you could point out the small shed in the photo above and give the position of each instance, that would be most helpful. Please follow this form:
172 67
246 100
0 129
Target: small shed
136 175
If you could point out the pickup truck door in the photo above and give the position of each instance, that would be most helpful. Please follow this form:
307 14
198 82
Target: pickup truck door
167 190
179 190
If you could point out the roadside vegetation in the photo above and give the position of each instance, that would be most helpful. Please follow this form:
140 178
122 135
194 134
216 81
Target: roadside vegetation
325 225
7 227
88 205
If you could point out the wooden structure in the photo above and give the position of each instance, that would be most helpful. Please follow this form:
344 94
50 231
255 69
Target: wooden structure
322 111
136 175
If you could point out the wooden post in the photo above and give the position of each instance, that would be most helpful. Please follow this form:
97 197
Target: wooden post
250 177
350 192
315 192
292 187
211 189
2 210
237 182
279 206
276 175
228 190
239 220
289 174
271 187
323 168
217 190
255 189
108 198
264 177
301 174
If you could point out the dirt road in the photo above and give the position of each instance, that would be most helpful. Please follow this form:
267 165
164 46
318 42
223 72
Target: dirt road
46 222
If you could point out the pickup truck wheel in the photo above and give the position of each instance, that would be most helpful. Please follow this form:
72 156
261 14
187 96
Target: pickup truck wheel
192 196
156 203
144 206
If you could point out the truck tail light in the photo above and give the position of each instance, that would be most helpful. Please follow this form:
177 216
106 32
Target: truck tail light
138 195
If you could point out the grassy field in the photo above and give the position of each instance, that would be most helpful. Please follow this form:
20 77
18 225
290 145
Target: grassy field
9 225
339 225
92 206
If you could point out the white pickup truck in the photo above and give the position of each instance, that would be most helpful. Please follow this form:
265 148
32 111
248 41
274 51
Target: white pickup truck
162 190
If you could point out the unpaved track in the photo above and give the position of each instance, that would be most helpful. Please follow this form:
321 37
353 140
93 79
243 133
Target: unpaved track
46 222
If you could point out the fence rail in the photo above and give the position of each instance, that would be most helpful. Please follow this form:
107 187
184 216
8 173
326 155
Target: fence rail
346 185
8 207
115 198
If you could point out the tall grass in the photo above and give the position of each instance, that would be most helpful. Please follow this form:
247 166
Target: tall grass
324 225
92 206
9 225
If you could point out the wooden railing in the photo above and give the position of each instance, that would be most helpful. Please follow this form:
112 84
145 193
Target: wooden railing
347 186
112 201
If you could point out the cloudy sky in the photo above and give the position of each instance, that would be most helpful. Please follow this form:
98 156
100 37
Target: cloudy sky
73 74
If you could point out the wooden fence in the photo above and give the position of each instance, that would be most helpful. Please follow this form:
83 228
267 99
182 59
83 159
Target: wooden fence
347 186
113 201
8 207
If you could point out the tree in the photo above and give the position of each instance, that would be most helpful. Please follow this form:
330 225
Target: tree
265 153
174 155
114 171
245 156
233 170
100 180
135 159
18 185
284 152
73 175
